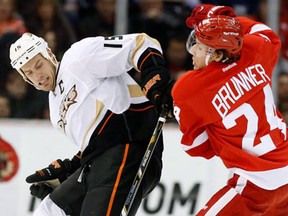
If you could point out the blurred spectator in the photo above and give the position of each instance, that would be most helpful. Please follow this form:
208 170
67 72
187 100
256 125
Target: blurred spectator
284 111
85 7
177 58
101 22
11 27
51 39
46 111
246 8
5 107
25 101
49 18
71 10
26 8
261 14
282 92
9 18
285 116
5 41
180 10
283 32
155 20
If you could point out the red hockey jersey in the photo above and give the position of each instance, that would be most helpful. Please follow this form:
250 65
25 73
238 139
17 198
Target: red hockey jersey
228 110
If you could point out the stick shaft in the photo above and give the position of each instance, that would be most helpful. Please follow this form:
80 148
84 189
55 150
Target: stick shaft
144 164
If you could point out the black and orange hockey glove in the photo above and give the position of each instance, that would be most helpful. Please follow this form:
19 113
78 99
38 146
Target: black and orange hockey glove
45 180
155 79
58 169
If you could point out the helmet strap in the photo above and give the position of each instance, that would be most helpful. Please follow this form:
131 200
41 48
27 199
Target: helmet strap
207 59
210 51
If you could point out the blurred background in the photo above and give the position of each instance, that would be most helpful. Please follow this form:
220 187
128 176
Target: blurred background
27 140
63 22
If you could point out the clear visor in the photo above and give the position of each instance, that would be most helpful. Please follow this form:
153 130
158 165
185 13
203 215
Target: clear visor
191 40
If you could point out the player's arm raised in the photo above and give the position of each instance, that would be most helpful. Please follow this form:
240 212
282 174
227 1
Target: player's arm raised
147 59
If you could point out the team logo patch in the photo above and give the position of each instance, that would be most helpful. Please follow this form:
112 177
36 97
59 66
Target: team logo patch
68 100
9 162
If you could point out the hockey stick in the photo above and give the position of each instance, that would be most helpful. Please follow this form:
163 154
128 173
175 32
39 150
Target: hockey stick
144 163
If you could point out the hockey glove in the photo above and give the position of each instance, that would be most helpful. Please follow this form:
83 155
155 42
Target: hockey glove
40 190
155 79
56 170
163 99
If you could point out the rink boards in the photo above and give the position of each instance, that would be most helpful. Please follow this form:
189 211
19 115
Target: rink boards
186 183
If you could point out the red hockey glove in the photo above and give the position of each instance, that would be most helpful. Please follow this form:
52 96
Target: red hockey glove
203 11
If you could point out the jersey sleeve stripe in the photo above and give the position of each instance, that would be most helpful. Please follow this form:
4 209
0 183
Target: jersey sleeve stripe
200 139
258 28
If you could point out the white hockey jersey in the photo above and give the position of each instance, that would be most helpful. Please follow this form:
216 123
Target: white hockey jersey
92 78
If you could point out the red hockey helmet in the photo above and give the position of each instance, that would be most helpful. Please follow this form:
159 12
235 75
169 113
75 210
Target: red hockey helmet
221 33
203 11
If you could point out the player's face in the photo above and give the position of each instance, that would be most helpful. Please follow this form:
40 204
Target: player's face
41 72
199 52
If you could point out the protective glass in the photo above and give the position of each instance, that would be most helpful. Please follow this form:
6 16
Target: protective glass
191 41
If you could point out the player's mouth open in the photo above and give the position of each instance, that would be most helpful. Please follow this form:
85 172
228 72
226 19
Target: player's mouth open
44 82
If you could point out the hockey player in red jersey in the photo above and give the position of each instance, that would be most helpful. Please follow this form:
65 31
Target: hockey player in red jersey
225 108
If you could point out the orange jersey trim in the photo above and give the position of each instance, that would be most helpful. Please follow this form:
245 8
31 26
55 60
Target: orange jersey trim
140 67
105 123
139 110
117 180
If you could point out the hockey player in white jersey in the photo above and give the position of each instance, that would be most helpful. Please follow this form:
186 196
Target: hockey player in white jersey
96 103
